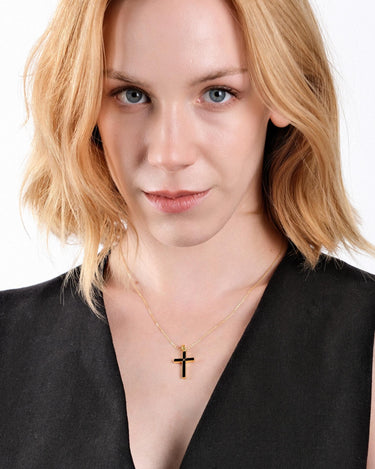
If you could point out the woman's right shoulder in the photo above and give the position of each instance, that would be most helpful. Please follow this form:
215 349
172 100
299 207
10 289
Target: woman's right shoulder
36 321
40 302
19 295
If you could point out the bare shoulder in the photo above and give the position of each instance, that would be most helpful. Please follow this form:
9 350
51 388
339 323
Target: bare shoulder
371 449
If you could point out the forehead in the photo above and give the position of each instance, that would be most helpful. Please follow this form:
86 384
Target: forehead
178 36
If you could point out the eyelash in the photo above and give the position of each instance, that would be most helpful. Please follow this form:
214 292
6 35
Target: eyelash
115 93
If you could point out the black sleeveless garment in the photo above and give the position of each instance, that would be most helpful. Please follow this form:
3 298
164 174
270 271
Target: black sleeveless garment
295 394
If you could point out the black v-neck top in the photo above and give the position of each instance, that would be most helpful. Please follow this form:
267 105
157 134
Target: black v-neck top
296 392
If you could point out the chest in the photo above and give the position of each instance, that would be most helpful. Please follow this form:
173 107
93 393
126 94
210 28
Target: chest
164 410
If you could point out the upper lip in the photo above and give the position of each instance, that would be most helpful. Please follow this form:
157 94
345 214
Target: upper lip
173 194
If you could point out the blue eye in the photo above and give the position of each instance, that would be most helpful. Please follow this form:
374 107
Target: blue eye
218 95
132 96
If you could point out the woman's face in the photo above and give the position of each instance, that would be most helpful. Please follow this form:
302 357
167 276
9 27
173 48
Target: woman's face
180 117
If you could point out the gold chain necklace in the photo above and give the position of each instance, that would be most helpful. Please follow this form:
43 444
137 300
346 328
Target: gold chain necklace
183 348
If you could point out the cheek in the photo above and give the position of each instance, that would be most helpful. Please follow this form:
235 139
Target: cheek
239 141
121 143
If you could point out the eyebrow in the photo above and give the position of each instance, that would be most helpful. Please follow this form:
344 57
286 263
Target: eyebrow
210 76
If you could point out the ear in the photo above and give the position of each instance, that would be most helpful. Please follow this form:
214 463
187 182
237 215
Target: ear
278 119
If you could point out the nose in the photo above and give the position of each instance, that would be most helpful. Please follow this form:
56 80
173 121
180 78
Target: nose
169 139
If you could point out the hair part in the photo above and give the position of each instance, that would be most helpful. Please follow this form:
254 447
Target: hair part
67 182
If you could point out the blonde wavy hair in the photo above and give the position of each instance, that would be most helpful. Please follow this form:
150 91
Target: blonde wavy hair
67 182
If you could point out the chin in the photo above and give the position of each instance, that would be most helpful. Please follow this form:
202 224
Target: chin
183 238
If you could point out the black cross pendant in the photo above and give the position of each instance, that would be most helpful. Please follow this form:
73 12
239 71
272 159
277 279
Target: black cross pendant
183 361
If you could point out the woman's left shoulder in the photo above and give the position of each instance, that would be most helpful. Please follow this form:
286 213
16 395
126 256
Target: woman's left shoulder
340 284
333 292
338 268
344 279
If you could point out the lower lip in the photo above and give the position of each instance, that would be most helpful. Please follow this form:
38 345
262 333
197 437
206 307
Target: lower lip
177 205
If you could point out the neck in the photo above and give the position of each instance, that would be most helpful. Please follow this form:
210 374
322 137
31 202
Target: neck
226 264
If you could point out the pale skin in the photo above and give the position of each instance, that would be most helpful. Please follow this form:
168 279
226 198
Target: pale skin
175 128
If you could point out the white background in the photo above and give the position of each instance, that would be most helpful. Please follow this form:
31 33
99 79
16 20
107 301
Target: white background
350 35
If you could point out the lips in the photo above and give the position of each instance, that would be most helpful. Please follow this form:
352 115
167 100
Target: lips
174 194
175 201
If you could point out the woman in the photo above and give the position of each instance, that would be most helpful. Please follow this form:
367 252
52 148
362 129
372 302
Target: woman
195 143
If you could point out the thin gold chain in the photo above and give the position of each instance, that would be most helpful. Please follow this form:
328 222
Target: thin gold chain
210 331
